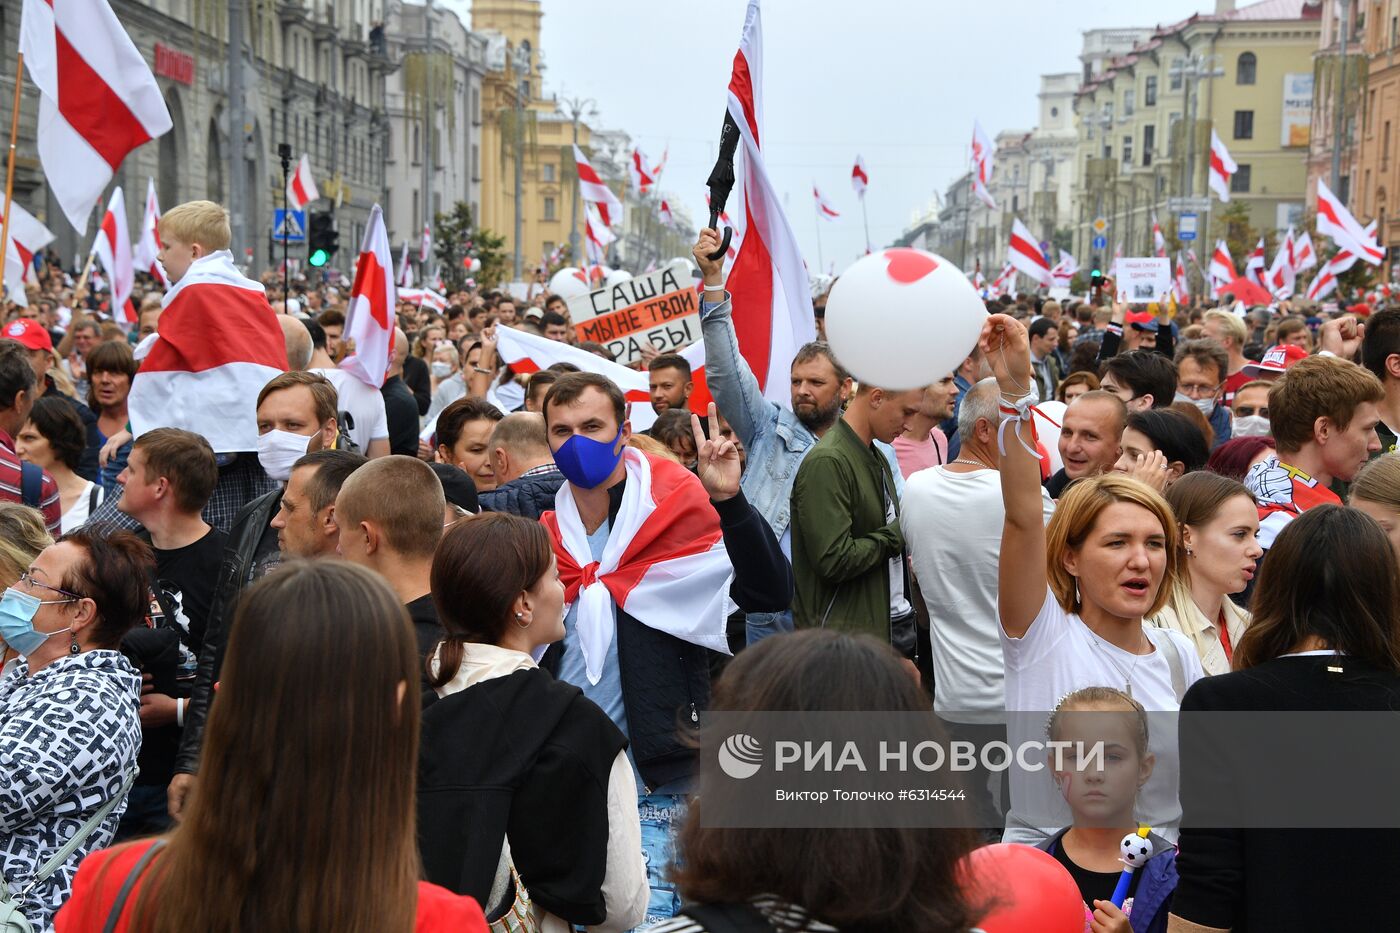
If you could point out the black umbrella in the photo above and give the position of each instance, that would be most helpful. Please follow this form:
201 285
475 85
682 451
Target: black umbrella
721 180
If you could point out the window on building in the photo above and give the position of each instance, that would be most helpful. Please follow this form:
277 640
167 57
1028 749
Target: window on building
1015 203
548 171
1149 91
1385 145
1239 182
549 209
1054 111
476 107
1175 74
475 167
548 247
416 214
1129 101
414 153
1173 121
1244 68
1244 124
1394 29
1149 143
1127 151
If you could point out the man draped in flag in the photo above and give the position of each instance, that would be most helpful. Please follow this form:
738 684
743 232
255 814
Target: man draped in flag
113 248
301 185
982 152
26 237
1024 253
369 316
97 98
1222 168
148 246
1335 221
592 190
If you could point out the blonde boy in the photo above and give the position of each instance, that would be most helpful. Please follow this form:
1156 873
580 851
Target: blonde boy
191 231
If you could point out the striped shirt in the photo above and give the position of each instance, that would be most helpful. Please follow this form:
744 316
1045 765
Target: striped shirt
783 916
11 483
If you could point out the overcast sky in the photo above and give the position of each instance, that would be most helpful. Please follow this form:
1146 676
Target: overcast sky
898 81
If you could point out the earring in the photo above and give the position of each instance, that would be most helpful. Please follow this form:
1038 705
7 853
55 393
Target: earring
518 617
1189 552
73 646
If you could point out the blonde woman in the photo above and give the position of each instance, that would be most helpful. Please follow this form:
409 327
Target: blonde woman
1376 491
1220 533
22 537
1072 597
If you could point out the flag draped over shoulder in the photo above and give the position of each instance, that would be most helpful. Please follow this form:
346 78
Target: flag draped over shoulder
219 344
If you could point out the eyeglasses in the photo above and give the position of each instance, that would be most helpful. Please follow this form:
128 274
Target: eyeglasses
27 578
1196 390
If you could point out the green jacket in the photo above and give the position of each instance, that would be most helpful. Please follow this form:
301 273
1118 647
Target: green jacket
841 542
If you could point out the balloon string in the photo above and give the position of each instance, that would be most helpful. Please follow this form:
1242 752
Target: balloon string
1020 388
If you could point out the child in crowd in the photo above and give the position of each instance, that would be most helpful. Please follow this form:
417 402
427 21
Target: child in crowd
1102 795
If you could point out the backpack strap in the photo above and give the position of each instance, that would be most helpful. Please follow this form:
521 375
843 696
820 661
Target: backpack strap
31 484
119 905
78 838
728 918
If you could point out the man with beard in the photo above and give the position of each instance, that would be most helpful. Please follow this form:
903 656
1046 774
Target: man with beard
776 440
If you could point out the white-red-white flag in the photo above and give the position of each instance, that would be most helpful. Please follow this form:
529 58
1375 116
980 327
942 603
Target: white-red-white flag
369 315
824 210
404 277
639 172
27 237
423 298
1304 256
768 282
1222 265
219 344
1024 253
1254 266
859 179
1222 168
1344 259
659 167
425 246
1282 274
113 248
982 153
97 97
666 217
1180 289
1335 221
1064 269
301 186
1005 282
148 245
1325 282
592 189
1158 241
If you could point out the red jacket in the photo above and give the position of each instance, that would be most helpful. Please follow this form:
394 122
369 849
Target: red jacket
439 910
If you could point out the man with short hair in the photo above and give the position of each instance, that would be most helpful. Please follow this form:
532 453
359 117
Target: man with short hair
1250 410
526 476
776 438
1380 353
1091 438
847 549
169 476
1200 380
555 327
400 407
296 336
305 517
390 516
505 311
537 388
923 445
1230 332
1143 379
19 482
1323 415
1045 367
670 382
333 323
369 425
149 321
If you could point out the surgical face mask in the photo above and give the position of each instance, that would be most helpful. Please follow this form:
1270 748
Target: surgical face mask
442 370
587 463
1250 426
1204 405
278 450
17 621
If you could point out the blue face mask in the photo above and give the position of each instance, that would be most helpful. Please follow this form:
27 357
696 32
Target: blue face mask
587 463
17 621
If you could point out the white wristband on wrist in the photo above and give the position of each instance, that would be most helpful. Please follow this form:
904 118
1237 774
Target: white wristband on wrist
180 713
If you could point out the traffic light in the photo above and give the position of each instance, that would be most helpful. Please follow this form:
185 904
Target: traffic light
322 240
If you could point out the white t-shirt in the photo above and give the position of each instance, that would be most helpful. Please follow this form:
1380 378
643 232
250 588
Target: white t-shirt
365 405
1058 655
79 511
952 526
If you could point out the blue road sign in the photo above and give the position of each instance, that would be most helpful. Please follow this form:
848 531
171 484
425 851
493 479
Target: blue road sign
288 226
1100 242
1186 226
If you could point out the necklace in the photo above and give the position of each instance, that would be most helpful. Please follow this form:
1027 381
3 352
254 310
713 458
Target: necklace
970 462
1128 674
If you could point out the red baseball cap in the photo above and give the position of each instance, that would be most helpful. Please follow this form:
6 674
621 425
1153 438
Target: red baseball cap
1276 359
28 332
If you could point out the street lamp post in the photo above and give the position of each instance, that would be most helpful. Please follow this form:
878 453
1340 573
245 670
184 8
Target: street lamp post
578 107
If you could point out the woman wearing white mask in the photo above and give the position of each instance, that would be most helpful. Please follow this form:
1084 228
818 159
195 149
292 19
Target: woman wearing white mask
444 363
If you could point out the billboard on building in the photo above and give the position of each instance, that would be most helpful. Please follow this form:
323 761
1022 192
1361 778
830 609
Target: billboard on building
1297 109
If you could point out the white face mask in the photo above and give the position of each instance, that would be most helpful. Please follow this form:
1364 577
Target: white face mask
1204 405
1250 426
278 450
442 370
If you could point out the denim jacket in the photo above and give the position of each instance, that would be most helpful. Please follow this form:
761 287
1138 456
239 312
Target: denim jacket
775 441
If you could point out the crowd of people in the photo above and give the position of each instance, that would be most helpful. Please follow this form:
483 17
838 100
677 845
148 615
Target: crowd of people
435 654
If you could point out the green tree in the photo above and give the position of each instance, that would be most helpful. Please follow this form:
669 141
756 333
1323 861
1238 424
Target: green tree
1232 225
456 238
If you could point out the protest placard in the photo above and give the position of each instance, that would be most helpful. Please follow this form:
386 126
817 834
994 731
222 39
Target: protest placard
1142 280
660 310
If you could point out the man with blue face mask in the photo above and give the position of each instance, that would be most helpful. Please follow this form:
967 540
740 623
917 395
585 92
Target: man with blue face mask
647 554
1200 381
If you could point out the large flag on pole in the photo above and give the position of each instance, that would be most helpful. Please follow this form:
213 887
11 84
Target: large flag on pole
301 186
982 151
1335 221
768 279
1304 256
113 248
1283 273
592 189
1158 241
1222 265
425 246
219 344
1222 168
97 97
148 245
369 317
27 237
859 179
402 279
1025 254
642 178
1254 266
824 210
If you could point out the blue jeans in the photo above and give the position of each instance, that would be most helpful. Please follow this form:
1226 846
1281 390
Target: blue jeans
661 816
146 813
762 624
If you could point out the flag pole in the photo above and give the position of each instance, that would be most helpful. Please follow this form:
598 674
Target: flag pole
82 291
10 169
865 218
820 264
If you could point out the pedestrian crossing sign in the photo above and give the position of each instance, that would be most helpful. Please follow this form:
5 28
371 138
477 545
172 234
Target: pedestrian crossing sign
288 226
